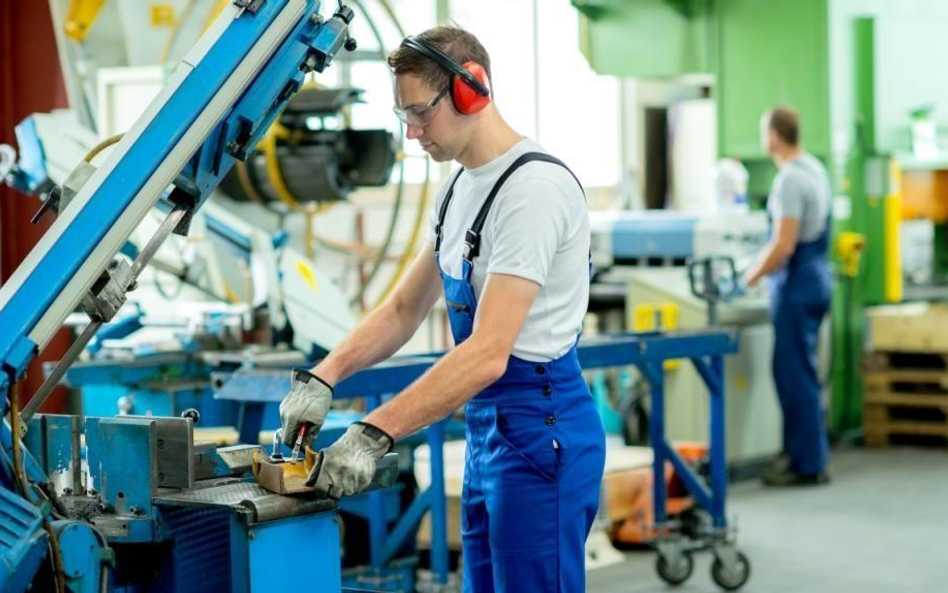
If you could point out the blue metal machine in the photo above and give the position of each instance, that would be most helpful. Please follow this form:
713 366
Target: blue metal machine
139 505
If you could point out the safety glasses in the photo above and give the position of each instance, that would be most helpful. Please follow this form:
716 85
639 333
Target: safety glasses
421 116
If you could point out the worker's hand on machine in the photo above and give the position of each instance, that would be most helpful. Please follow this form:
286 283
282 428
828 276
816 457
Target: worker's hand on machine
348 465
740 288
730 288
306 404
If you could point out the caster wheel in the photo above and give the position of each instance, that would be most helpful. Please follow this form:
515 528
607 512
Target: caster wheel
731 578
675 573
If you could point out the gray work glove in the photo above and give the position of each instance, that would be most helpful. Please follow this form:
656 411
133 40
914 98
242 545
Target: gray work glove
307 404
348 465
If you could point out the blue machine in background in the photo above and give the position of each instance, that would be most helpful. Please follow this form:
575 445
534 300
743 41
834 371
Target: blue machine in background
140 506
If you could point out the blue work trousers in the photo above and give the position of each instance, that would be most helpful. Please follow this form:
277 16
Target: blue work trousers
535 456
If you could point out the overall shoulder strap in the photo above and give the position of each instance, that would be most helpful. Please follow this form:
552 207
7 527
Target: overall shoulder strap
472 240
444 210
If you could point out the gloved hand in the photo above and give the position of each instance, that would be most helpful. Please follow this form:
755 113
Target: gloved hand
732 288
348 465
740 287
306 403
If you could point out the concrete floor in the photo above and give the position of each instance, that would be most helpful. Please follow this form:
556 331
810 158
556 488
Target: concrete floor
880 526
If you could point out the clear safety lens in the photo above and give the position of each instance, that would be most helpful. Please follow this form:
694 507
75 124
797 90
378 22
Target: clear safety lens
420 116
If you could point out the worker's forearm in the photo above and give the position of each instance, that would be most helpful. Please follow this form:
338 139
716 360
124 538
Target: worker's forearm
771 259
456 378
375 339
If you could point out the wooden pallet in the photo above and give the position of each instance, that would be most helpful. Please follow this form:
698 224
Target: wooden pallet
886 360
905 395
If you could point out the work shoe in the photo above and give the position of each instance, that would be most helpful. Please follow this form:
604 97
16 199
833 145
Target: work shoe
780 464
788 477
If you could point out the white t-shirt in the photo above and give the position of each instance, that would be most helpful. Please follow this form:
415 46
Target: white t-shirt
538 229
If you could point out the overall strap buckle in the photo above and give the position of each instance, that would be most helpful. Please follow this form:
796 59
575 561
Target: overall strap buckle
472 245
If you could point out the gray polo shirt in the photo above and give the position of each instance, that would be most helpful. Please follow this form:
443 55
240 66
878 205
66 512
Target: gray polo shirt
801 190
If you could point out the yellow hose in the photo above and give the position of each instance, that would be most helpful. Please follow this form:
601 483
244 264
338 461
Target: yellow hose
409 252
175 29
268 145
215 12
243 177
359 250
391 14
102 146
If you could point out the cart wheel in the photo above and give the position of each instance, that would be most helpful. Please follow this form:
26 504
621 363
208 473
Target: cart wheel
675 573
731 578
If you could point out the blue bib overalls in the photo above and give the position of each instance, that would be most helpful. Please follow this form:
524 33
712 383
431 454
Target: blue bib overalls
535 454
799 298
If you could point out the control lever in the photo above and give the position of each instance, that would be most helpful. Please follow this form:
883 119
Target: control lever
713 279
276 454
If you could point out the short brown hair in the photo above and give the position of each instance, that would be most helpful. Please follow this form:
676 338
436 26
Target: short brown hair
460 45
785 121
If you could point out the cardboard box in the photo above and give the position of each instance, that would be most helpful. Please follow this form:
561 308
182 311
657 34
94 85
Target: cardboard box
909 327
626 486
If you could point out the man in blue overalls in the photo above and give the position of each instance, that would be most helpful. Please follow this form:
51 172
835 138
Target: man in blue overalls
800 285
509 251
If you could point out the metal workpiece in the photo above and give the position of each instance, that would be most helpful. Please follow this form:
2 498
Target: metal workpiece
386 472
288 476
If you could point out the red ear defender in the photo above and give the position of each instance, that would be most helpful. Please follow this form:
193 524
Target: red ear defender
466 98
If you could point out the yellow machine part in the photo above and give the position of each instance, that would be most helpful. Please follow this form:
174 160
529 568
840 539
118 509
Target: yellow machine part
892 219
283 477
892 216
80 16
849 249
162 15
654 318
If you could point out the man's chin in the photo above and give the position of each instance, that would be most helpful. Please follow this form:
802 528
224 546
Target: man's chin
438 155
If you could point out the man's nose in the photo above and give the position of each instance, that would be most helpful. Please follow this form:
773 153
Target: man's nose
413 131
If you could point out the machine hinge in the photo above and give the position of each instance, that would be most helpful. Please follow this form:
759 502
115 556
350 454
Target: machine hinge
251 5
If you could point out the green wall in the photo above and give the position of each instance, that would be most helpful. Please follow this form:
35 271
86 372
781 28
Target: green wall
771 52
761 52
911 45
644 38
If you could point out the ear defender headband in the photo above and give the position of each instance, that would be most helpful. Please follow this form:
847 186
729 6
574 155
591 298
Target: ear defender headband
469 91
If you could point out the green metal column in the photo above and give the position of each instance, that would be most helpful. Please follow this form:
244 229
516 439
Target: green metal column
867 189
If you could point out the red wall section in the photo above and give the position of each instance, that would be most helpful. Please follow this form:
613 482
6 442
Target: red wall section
30 81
